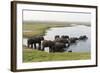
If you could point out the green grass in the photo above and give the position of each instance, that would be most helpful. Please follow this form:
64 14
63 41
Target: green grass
30 55
38 29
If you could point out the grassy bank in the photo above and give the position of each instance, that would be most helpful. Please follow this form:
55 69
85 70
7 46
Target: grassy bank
38 29
30 55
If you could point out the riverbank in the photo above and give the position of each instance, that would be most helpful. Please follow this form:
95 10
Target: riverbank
30 30
30 55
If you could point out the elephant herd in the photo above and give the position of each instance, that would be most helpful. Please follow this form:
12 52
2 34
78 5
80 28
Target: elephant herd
57 45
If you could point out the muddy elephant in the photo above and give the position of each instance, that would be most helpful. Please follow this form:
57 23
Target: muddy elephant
84 37
35 40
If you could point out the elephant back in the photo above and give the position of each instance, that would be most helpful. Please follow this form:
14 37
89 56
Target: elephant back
38 38
65 36
61 40
48 43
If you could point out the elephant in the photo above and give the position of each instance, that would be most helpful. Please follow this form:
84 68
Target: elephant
84 37
58 47
63 40
73 39
57 36
35 40
48 43
53 46
70 51
65 36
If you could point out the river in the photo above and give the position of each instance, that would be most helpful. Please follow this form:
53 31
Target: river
74 31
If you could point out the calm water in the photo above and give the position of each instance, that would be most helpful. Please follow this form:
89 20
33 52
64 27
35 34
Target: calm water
75 31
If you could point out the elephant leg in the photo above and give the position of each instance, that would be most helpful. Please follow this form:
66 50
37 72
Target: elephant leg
51 49
39 47
43 48
68 43
34 45
28 46
31 45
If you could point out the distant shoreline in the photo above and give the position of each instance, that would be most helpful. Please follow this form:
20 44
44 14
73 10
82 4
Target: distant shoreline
55 22
36 29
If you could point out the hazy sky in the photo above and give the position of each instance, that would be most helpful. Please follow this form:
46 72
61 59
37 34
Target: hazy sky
56 16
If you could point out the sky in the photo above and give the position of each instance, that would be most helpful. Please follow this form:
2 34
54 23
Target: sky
56 16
